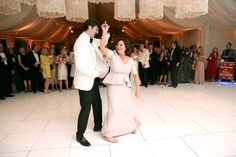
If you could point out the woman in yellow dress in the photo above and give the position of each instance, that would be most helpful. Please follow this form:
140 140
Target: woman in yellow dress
46 61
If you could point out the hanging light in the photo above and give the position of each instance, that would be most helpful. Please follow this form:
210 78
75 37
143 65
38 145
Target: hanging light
29 2
151 9
9 7
192 10
174 3
77 10
51 8
100 1
124 10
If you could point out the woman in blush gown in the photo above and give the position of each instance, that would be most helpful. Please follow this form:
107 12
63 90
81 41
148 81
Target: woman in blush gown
199 76
120 118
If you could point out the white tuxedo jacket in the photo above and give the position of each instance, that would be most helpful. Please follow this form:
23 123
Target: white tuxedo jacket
87 57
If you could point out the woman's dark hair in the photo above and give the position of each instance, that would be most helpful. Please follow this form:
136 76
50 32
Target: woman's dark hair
91 22
127 45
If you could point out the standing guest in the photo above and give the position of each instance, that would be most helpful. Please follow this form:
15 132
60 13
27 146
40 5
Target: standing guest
62 72
46 61
134 55
15 75
164 66
84 79
119 88
188 59
199 66
153 62
5 70
53 67
34 67
175 58
24 69
211 65
229 54
143 65
72 67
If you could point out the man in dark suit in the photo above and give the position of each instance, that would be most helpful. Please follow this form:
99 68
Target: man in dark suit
229 54
188 59
5 71
34 64
153 61
175 58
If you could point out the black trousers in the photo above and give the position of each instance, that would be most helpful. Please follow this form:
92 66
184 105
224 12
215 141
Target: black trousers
88 98
174 75
34 77
143 74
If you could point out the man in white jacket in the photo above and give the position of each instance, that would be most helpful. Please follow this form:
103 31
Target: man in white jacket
86 70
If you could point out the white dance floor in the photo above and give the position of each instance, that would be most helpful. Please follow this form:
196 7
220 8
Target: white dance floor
189 121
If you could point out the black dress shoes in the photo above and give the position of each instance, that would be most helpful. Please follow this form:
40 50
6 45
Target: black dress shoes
2 98
170 85
83 141
97 129
9 95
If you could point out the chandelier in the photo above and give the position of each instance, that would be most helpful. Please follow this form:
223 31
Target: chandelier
77 10
153 9
124 10
192 10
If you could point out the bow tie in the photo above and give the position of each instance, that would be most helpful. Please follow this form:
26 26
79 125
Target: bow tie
91 40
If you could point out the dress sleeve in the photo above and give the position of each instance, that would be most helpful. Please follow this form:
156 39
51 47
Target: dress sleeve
110 54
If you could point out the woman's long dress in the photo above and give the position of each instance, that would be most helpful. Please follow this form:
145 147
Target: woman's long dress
62 72
211 66
120 118
46 61
199 76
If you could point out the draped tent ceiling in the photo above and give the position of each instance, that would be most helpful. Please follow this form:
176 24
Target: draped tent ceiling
221 16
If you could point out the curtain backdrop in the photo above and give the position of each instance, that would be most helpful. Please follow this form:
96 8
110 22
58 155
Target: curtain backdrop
214 29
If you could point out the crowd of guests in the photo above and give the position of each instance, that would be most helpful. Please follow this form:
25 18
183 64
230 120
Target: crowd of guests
187 64
38 69
35 69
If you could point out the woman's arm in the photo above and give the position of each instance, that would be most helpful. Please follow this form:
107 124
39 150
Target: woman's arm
137 84
104 49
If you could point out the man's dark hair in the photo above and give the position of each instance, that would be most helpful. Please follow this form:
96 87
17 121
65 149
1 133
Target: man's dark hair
229 44
91 22
33 46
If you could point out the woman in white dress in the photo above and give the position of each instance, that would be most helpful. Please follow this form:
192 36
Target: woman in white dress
120 118
53 80
62 72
